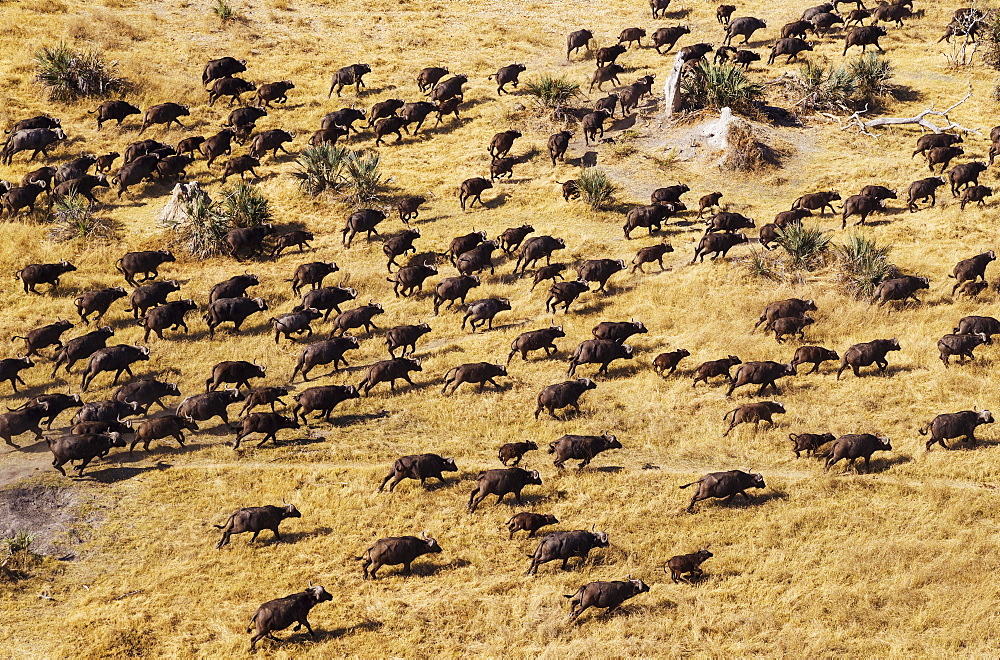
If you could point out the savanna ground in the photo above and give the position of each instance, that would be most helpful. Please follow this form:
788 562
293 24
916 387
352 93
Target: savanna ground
899 562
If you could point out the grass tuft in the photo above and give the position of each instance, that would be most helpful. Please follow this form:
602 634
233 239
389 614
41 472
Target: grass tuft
224 11
246 206
552 92
73 219
863 265
596 188
807 246
710 86
201 226
363 174
320 169
68 74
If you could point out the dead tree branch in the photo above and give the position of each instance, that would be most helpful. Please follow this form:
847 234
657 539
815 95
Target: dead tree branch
920 119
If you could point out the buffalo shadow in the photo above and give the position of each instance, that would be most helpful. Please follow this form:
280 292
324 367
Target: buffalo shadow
877 465
737 502
110 475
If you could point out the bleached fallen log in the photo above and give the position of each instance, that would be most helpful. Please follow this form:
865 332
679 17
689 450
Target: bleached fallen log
920 119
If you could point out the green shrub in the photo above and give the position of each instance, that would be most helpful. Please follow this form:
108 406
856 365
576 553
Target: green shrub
246 206
364 177
711 86
73 218
224 11
552 92
872 75
68 74
596 188
320 169
806 246
202 231
863 265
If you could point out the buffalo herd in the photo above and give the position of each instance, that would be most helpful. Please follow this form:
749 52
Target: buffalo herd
99 427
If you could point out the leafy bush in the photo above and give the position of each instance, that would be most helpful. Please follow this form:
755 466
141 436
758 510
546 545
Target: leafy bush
18 557
246 206
806 246
761 265
872 75
711 86
867 80
73 218
596 188
68 74
863 265
364 178
320 168
746 153
224 11
552 92
202 232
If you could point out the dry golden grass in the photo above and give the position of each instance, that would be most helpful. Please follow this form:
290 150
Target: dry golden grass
895 563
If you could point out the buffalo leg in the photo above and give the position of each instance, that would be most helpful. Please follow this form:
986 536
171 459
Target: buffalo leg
277 537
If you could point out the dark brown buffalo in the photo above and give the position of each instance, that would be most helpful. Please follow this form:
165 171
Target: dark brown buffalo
790 326
558 143
515 451
536 248
763 373
83 448
235 372
276 92
327 299
256 519
752 412
430 76
714 368
961 346
43 337
82 347
606 594
359 317
54 404
474 372
535 340
146 392
942 156
923 190
668 37
529 522
151 295
267 423
27 418
500 482
784 308
512 238
312 274
240 165
976 193
854 446
564 293
157 428
717 245
680 565
482 312
232 310
548 272
817 201
295 323
396 550
145 263
564 546
648 255
694 52
866 354
296 238
165 113
398 246
418 466
931 140
114 358
972 269
349 75
34 274
563 395
389 371
728 221
790 46
203 407
961 425
971 325
599 270
264 396
577 40
809 442
322 399
814 355
234 287
724 484
744 26
507 75
860 205
598 351
272 141
899 288
581 447
864 36
280 613
248 239
666 363
405 337
593 123
21 197
606 73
